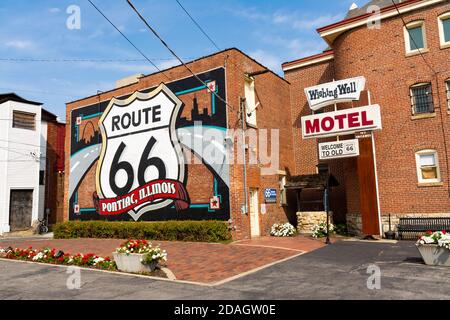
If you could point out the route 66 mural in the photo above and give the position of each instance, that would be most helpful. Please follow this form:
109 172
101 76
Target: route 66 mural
129 155
139 133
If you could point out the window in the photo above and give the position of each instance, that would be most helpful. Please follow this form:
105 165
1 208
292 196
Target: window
422 98
250 102
23 120
323 168
447 86
428 166
444 29
42 177
415 37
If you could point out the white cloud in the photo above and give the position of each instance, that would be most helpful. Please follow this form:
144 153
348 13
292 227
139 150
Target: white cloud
296 20
293 48
54 10
168 64
19 44
270 61
131 68
317 22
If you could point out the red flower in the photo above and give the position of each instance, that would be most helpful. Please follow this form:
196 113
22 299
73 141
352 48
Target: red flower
444 231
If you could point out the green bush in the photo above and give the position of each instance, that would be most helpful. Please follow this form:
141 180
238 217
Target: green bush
195 231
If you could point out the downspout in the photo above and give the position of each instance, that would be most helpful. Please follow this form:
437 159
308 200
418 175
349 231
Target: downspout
244 149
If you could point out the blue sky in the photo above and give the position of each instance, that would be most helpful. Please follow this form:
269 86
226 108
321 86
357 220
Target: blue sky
271 31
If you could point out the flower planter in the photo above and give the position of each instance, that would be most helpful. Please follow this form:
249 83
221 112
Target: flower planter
132 263
433 255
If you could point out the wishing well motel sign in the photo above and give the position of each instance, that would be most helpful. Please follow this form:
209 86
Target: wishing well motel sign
341 122
335 92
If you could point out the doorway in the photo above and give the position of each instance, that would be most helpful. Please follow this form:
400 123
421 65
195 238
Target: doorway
21 208
254 214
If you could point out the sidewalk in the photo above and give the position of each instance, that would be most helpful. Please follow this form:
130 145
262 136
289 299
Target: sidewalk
197 262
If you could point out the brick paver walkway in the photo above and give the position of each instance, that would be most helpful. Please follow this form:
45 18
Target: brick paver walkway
199 262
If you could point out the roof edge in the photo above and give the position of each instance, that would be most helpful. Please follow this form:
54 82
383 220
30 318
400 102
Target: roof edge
337 28
187 62
11 96
307 61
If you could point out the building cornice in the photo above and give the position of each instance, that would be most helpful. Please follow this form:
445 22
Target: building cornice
308 61
331 32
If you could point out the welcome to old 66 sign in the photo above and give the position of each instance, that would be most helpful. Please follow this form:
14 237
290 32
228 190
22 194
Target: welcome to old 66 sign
141 166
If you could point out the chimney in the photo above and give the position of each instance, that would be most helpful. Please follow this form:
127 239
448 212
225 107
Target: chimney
128 80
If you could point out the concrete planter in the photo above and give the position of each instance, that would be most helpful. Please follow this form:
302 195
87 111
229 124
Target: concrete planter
433 255
132 263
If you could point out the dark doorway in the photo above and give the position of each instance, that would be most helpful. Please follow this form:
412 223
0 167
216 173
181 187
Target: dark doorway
21 207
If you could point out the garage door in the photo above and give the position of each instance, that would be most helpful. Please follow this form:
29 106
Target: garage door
21 207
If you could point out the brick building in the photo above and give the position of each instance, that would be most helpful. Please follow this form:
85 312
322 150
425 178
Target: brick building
31 164
215 191
404 55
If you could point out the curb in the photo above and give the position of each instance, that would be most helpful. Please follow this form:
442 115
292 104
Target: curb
170 275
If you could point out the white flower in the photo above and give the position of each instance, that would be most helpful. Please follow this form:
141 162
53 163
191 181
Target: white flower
39 256
98 260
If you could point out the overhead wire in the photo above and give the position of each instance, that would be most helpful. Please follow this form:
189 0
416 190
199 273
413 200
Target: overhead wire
156 34
129 41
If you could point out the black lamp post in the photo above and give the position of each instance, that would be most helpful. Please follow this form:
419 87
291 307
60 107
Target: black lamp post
326 206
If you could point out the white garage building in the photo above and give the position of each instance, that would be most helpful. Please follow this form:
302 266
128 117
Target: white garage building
23 147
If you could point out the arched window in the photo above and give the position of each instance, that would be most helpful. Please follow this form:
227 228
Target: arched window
427 163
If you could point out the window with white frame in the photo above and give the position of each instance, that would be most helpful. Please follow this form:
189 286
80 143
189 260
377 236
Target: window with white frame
250 101
422 98
428 166
415 37
444 29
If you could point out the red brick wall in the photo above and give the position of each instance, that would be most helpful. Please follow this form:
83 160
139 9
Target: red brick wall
273 95
379 55
305 151
54 193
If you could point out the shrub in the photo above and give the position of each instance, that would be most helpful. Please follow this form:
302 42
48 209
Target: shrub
282 230
320 230
195 231
341 229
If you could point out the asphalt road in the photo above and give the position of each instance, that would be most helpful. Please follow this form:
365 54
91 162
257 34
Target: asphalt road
335 272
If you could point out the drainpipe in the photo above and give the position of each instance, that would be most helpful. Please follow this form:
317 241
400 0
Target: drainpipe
244 149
